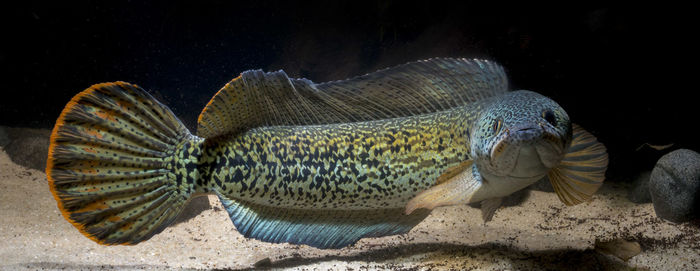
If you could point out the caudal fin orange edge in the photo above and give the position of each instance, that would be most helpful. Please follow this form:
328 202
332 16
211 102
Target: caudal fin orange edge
61 121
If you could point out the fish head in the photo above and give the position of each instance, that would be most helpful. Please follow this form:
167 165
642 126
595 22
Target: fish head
520 136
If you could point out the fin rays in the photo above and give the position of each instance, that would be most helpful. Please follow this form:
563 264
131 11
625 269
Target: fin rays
582 170
317 228
111 164
257 99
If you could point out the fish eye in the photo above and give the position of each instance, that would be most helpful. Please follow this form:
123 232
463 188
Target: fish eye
549 116
496 126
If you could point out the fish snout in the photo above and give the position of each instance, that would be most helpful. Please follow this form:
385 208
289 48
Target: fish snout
538 134
513 137
545 146
528 134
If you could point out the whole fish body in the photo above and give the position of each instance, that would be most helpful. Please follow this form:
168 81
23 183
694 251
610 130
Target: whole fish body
317 164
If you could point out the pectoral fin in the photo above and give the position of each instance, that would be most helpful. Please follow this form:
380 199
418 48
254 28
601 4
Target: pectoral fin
454 171
458 189
582 170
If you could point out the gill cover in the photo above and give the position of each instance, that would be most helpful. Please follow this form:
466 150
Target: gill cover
572 158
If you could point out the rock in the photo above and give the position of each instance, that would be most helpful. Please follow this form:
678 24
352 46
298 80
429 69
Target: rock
675 186
27 147
640 189
4 137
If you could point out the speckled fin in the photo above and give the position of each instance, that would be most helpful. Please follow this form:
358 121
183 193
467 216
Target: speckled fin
582 171
108 164
256 98
327 229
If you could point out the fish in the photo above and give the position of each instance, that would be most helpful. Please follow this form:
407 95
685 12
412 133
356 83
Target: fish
323 165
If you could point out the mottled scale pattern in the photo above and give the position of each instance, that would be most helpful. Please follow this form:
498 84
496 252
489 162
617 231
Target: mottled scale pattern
362 165
292 161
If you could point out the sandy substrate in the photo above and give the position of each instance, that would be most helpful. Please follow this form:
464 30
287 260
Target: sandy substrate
540 233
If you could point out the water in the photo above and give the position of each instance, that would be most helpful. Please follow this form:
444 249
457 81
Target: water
605 66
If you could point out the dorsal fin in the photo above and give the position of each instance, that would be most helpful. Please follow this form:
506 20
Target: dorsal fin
256 98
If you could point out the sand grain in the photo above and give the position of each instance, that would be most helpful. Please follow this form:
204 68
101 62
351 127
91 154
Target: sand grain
540 233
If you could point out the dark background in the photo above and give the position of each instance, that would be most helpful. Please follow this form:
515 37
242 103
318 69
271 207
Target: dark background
619 71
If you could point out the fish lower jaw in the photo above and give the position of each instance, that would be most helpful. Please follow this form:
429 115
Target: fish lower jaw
512 177
501 186
525 178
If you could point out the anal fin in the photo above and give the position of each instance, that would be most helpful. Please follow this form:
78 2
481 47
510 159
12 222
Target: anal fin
326 229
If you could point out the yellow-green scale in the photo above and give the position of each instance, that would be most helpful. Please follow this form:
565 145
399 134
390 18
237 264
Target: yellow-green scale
362 165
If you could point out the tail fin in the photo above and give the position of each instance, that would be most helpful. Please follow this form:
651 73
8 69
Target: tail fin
120 164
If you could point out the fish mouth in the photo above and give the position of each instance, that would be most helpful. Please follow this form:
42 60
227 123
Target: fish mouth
528 164
539 176
510 139
527 152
